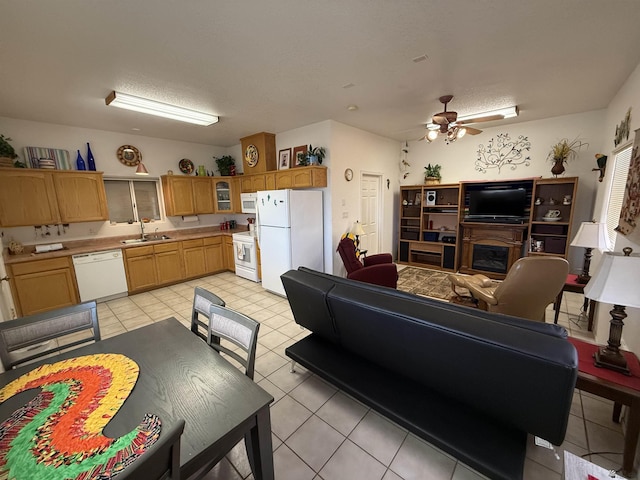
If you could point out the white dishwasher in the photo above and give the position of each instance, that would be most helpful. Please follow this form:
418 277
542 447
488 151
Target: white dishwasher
100 275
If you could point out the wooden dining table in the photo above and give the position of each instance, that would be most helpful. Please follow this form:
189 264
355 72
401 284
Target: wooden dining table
181 377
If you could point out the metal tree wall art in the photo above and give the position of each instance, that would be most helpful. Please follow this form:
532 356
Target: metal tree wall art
501 152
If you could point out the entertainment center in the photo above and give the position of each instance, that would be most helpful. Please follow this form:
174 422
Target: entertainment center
484 227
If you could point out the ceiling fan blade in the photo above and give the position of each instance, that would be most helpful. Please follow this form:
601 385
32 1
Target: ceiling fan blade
444 118
473 131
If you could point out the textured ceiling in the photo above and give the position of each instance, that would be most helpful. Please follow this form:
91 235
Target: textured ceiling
281 64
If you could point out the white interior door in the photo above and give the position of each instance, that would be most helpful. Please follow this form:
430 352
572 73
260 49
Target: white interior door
370 212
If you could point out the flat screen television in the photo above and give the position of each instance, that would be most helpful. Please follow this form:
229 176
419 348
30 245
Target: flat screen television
497 205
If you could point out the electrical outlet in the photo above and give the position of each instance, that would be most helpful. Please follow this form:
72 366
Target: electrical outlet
92 231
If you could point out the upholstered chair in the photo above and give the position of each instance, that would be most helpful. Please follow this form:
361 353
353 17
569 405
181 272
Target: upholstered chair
531 284
378 269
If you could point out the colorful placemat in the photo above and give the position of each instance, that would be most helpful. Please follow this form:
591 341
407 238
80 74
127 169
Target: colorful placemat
61 158
58 434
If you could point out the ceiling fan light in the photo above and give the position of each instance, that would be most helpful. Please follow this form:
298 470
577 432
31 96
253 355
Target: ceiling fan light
461 132
432 135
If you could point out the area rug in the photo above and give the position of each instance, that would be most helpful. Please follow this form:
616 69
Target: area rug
425 282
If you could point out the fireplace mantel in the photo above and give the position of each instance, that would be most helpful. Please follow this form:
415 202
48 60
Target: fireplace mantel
504 235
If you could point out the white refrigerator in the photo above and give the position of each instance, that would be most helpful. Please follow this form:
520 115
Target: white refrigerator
290 233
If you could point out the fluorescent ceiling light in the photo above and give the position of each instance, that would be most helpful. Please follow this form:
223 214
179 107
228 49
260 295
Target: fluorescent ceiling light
500 114
151 107
508 112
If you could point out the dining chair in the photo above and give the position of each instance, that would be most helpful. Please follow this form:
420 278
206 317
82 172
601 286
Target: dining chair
34 336
238 329
202 300
161 461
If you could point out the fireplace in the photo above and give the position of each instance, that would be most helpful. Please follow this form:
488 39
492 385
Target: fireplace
490 258
491 249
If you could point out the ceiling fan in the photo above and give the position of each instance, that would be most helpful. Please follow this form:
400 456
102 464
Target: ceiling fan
448 123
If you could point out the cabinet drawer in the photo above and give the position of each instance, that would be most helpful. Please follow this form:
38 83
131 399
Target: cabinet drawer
213 240
192 243
138 251
166 247
40 266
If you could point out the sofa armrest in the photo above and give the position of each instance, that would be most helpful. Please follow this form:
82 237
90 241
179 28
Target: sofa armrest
378 259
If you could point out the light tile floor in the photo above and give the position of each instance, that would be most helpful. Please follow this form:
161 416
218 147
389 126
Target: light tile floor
320 433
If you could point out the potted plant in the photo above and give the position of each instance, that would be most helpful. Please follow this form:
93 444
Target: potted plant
313 156
7 152
432 174
226 165
562 152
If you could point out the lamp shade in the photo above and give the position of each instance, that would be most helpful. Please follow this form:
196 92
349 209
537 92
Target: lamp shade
141 170
591 235
357 229
616 281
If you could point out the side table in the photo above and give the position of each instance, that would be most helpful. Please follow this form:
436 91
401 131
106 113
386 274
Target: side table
572 285
622 389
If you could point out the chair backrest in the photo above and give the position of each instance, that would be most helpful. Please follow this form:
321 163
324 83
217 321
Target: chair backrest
531 284
161 461
202 300
238 329
19 337
347 251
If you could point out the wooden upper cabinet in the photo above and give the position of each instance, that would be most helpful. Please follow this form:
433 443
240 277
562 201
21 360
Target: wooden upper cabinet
258 183
203 195
178 195
246 184
236 202
270 181
27 197
81 196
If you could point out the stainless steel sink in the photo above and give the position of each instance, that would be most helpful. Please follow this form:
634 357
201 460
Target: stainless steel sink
134 240
158 237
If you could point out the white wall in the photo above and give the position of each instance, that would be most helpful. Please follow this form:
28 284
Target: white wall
627 97
158 155
458 159
363 152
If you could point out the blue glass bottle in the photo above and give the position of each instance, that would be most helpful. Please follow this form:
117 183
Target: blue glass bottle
90 160
80 162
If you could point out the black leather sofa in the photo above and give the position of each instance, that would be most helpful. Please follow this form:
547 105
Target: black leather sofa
472 383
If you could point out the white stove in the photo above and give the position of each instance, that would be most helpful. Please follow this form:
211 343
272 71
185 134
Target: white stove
245 254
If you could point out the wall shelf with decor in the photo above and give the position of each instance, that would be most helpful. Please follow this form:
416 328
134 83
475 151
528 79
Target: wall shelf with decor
429 226
551 216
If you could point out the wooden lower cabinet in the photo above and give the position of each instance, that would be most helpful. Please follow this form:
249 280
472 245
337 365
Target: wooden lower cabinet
141 268
213 254
193 257
43 285
229 257
168 260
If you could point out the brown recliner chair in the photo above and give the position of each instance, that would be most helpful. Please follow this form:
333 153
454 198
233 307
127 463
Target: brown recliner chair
378 269
531 284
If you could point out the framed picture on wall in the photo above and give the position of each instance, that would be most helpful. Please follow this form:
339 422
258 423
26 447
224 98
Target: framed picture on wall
302 149
284 159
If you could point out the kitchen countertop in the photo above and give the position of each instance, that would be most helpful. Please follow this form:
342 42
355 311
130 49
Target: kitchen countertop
75 247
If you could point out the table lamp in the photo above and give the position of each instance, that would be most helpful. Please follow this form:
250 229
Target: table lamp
357 231
615 282
590 235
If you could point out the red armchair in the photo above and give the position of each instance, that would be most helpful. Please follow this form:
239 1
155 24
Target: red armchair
377 269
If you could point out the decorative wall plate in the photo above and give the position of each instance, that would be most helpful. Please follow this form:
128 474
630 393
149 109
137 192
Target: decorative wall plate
129 155
251 155
186 166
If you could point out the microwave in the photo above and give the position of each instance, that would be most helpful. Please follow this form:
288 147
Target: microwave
249 202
